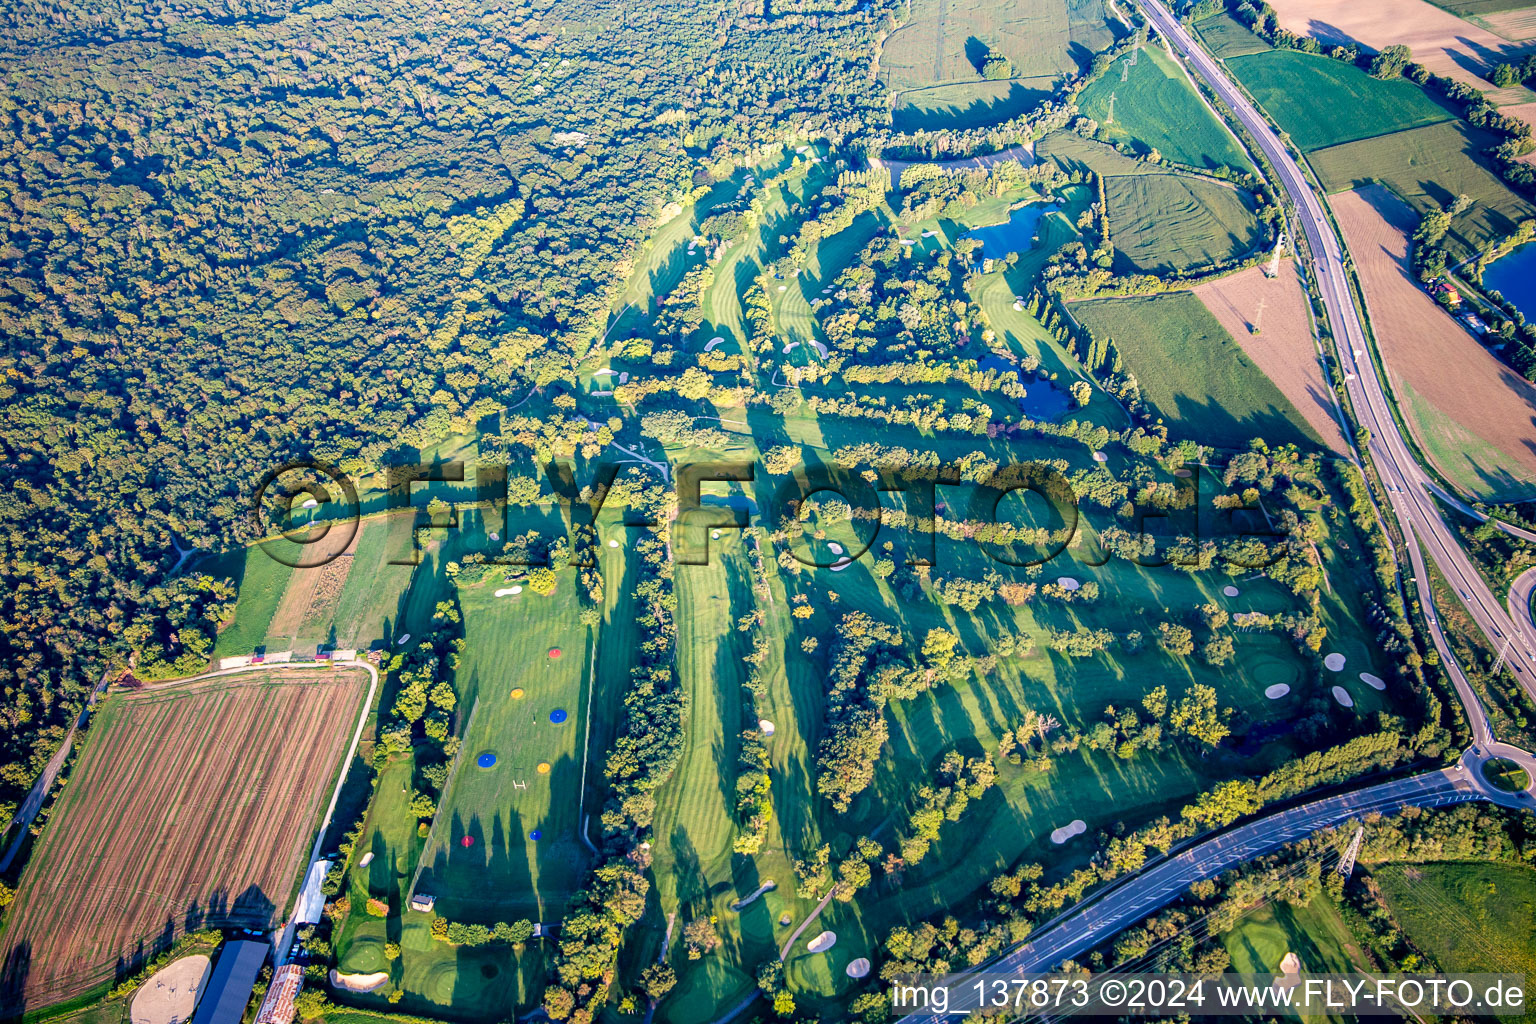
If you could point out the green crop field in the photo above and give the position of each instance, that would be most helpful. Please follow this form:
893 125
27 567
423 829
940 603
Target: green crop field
503 873
933 61
261 580
1323 102
1154 105
1469 917
1071 152
1431 167
1163 223
1225 36
1474 465
1193 372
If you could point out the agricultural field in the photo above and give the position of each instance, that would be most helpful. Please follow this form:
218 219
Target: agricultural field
1469 917
1225 36
1151 103
1442 42
1430 167
1517 25
1271 319
1322 102
210 828
1173 223
1472 414
506 840
933 62
1193 373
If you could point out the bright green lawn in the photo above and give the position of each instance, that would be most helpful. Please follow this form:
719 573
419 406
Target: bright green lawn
370 600
1155 105
1323 102
261 580
1225 36
1192 371
504 874
1162 223
1314 931
1469 917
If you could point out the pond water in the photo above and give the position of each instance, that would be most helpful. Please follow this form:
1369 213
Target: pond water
1016 234
1042 399
1514 276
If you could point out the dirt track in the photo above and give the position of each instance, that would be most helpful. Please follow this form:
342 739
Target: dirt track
191 807
1442 42
1423 346
1283 349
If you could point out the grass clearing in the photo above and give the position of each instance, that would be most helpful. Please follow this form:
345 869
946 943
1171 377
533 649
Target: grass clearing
1167 223
1429 167
261 581
933 61
1193 373
1469 917
1314 931
1323 102
1152 102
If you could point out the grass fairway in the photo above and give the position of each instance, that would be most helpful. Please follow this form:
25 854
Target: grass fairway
1469 917
504 873
1163 223
1430 167
1314 931
1322 102
1193 373
370 602
1153 104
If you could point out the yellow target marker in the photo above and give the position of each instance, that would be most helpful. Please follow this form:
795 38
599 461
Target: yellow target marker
517 693
543 767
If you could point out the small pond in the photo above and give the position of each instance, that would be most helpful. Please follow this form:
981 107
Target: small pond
1042 399
1513 275
1016 234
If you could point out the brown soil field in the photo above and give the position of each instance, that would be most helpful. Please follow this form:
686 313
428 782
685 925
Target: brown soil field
1283 348
193 805
1519 25
313 592
1475 416
1442 42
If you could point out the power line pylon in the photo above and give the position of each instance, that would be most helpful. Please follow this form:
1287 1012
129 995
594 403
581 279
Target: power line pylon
1347 864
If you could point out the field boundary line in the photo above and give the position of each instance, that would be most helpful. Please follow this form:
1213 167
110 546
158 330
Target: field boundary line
453 773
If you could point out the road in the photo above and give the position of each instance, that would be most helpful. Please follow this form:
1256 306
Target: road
1409 490
1408 485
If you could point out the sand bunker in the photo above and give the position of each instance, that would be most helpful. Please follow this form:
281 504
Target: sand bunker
1277 691
170 995
821 349
858 968
365 859
1230 590
790 347
709 346
929 234
1075 827
1183 472
908 241
765 726
841 564
1342 696
1018 307
783 287
311 503
822 942
834 547
1067 583
405 638
1100 457
1374 682
359 982
613 543
1334 661
505 591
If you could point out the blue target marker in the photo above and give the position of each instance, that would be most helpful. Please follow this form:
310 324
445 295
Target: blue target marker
535 835
557 716
486 759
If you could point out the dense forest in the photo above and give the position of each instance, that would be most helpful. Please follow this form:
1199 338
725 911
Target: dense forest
236 234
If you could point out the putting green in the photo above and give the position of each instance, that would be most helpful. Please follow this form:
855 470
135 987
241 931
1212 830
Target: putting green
1266 671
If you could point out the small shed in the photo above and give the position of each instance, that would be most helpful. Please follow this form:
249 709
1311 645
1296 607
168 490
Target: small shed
423 903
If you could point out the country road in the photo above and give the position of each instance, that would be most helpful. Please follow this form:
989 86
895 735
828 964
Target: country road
1409 493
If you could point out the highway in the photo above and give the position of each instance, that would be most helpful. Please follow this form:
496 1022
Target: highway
1408 485
1509 629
